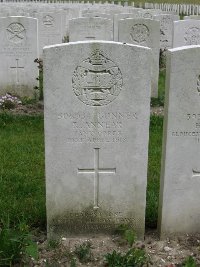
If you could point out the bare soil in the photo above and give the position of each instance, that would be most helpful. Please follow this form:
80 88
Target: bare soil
169 252
29 109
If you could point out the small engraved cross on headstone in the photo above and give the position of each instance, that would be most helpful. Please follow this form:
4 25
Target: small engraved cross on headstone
17 68
195 173
96 171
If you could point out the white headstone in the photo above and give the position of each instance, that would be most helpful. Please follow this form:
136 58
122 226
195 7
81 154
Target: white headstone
120 16
18 50
98 15
96 136
179 210
166 29
91 28
149 13
49 29
144 32
69 13
196 17
186 32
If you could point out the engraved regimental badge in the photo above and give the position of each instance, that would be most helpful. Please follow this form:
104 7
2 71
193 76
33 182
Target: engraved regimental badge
147 15
48 20
139 33
15 32
97 81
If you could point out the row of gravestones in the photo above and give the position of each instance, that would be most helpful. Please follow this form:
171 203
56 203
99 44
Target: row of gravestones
19 38
19 42
186 9
97 109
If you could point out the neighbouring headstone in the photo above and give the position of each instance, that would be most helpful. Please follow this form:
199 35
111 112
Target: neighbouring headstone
97 98
196 17
49 29
118 17
18 50
144 32
69 13
149 13
179 208
166 29
186 32
98 15
90 28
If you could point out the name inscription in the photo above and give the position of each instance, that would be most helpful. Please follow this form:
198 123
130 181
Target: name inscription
104 127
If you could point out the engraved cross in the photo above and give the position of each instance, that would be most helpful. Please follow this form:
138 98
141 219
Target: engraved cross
17 68
96 171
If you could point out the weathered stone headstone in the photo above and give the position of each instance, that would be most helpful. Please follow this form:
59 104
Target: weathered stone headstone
186 32
18 50
90 28
196 17
118 17
97 98
166 29
149 13
49 29
98 15
69 13
144 32
179 210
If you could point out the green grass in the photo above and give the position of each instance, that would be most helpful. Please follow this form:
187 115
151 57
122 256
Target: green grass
154 164
22 183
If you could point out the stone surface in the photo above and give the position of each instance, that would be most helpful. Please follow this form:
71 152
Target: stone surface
69 13
98 15
196 17
166 29
179 208
186 32
18 50
49 29
144 32
97 98
120 16
90 28
149 13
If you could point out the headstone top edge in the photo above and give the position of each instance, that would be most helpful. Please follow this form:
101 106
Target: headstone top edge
94 42
187 21
142 19
90 18
182 48
17 17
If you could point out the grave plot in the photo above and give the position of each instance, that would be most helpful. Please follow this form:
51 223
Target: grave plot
18 50
97 102
180 175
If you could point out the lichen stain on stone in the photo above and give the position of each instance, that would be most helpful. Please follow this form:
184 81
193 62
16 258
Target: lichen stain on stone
88 221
